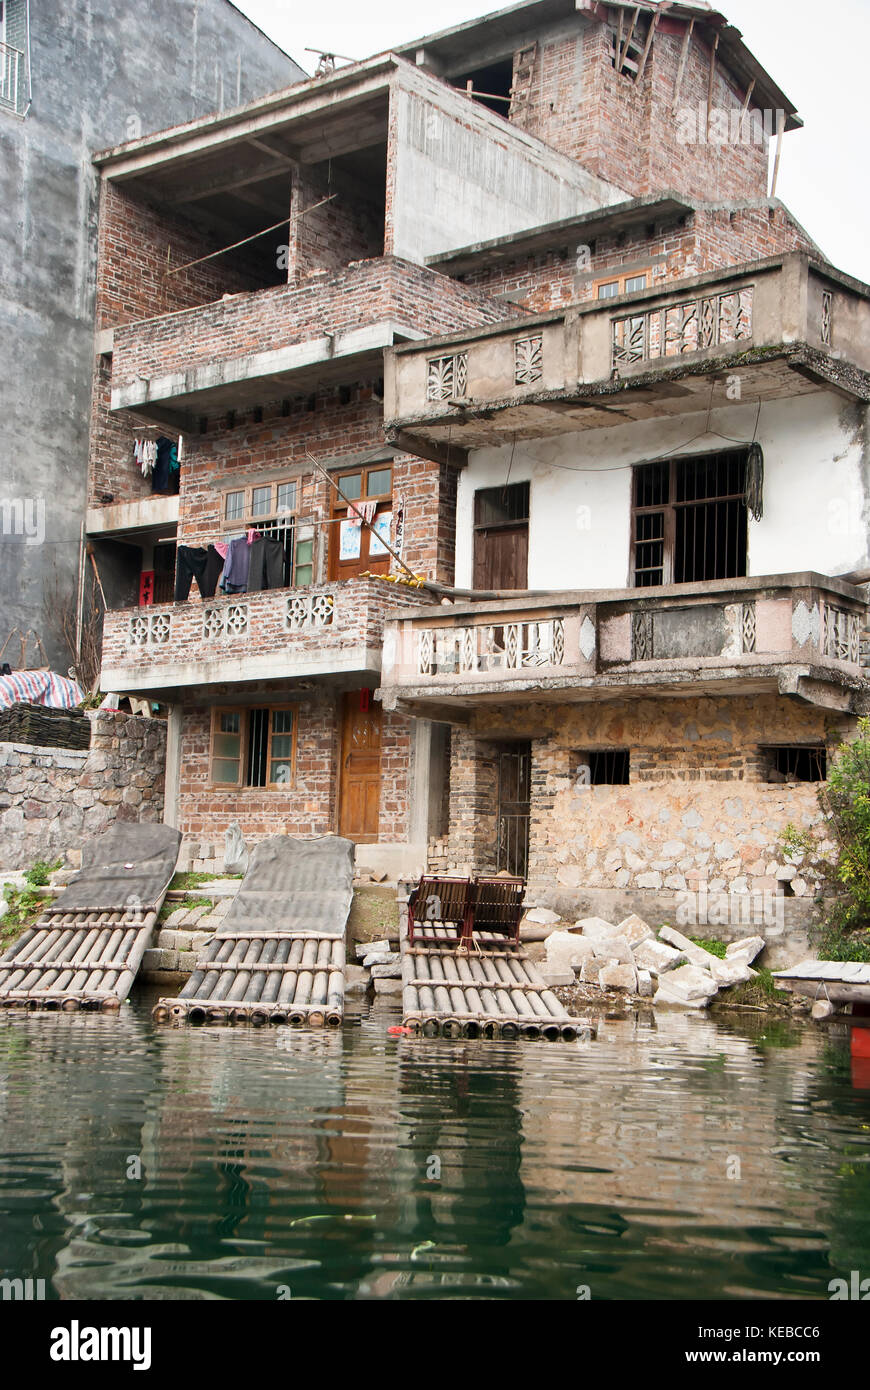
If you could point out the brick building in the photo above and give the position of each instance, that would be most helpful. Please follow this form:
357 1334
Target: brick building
76 75
532 304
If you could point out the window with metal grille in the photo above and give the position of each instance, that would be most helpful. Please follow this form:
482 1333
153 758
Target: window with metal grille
796 763
603 767
689 519
253 747
271 508
500 506
14 56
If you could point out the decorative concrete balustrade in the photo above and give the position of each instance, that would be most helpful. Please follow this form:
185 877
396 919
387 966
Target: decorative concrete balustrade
278 633
784 322
799 634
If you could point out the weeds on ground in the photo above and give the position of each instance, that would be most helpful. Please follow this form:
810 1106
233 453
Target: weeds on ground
24 905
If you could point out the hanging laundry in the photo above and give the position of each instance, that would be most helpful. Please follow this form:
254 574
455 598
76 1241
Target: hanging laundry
359 512
266 569
203 565
236 567
164 478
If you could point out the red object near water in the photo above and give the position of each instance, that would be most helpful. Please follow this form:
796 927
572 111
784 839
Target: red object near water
399 1031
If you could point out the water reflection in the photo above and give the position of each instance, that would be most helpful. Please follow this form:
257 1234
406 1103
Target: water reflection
674 1157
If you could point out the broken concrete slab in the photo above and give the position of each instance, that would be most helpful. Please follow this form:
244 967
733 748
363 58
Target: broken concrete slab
368 948
635 929
542 917
565 951
615 950
381 958
618 976
553 978
389 986
748 948
596 928
657 957
645 984
697 955
688 986
390 971
732 972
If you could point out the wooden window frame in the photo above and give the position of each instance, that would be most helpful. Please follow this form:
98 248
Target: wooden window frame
619 278
273 517
243 711
669 509
339 512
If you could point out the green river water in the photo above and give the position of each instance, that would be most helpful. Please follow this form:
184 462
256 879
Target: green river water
672 1157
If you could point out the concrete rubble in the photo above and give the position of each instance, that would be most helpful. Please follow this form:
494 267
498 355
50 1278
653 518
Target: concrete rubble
627 956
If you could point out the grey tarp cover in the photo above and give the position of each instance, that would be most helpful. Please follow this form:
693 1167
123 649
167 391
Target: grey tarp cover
294 885
128 865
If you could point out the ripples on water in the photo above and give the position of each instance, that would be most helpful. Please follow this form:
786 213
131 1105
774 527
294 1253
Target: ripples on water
304 1164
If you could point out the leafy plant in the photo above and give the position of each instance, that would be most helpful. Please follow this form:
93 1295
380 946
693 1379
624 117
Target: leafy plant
41 871
716 948
795 843
846 800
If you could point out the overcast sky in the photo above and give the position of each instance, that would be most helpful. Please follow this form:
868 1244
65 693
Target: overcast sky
823 174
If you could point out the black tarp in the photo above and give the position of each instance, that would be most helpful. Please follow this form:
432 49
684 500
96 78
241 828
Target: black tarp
294 885
129 865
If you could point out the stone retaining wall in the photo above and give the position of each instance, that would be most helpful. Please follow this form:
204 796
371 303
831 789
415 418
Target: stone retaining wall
52 799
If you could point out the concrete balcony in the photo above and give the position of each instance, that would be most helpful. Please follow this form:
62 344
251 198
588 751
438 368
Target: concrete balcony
250 347
324 631
795 634
790 325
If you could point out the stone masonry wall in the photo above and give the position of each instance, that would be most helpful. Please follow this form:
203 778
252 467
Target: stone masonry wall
52 799
698 816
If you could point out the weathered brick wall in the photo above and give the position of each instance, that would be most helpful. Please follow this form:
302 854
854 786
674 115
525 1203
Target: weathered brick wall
308 806
138 243
349 227
329 303
707 239
52 799
696 810
627 132
333 424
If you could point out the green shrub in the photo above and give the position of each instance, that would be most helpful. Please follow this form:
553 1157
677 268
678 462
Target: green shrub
716 948
845 798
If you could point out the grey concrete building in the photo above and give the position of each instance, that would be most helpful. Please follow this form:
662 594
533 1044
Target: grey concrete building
75 77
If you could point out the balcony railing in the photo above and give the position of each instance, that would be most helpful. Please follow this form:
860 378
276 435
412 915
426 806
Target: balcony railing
11 72
564 370
777 631
273 634
213 353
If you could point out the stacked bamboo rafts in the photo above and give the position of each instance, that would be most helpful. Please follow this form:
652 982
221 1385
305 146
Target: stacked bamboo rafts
263 979
490 994
86 948
73 960
279 956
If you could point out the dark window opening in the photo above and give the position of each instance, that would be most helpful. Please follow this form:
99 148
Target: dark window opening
629 41
689 519
490 86
604 767
501 506
796 764
258 748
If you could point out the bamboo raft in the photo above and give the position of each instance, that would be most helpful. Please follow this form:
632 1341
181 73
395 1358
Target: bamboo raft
279 956
451 992
86 948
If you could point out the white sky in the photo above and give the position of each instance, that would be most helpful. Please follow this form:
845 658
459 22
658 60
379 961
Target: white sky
804 47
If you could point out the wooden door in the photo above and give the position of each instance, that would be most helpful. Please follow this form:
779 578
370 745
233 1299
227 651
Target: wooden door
501 557
360 770
501 537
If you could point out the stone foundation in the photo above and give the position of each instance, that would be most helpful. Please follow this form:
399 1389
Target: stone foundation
52 799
